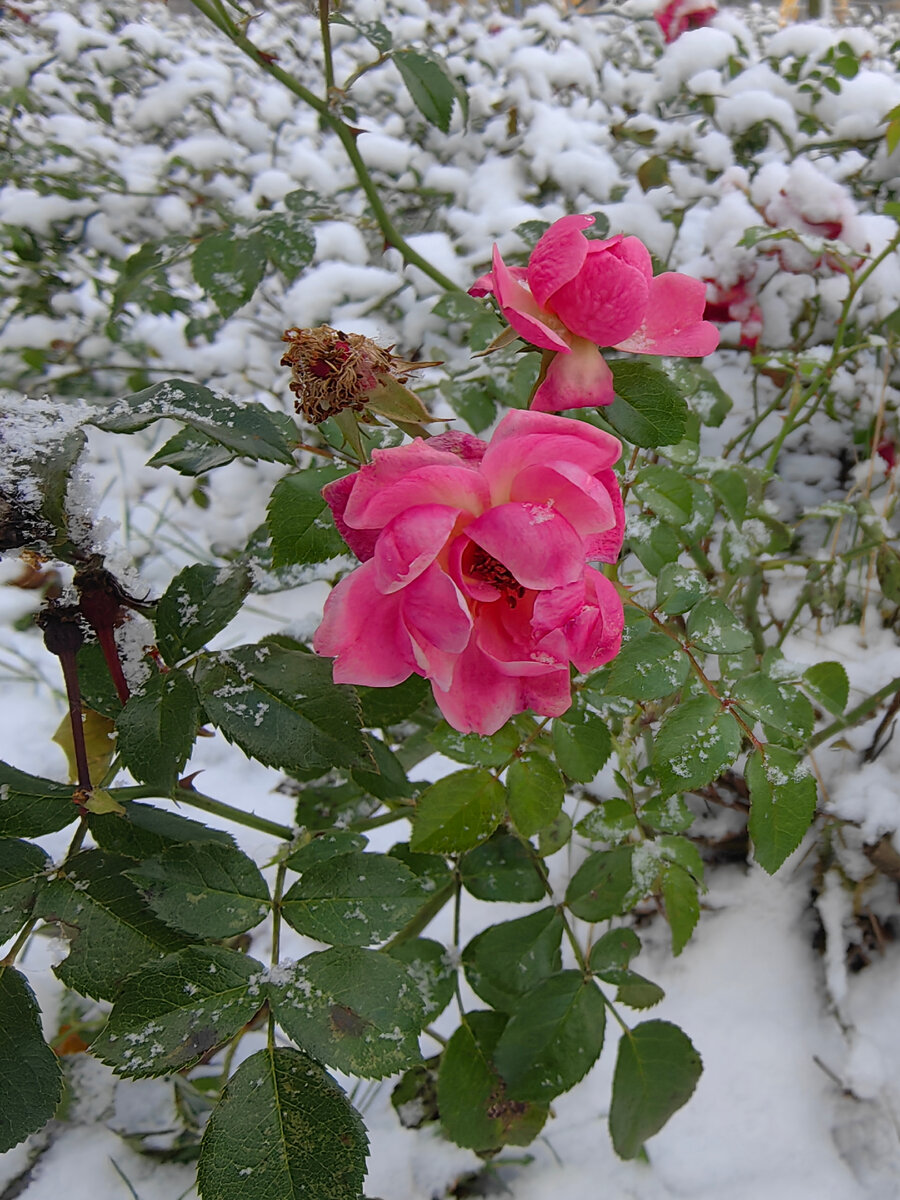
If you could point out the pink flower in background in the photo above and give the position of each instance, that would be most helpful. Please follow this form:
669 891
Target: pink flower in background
475 567
736 303
577 294
676 17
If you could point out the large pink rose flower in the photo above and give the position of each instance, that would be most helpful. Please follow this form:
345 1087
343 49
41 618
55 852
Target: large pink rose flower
676 17
475 567
576 295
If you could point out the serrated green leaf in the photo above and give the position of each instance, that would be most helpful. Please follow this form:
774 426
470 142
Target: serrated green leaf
701 389
472 748
553 1038
502 868
601 887
648 409
323 847
354 1009
430 84
290 242
654 542
695 743
471 1095
192 453
665 491
199 602
22 868
776 704
648 667
204 889
389 782
248 429
145 831
712 626
31 806
682 904
157 728
281 707
582 744
30 1075
505 961
782 804
678 588
229 267
432 971
828 685
457 812
389 706
657 1069
611 821
731 489
300 521
283 1130
353 900
668 814
171 1013
631 988
111 930
614 949
535 793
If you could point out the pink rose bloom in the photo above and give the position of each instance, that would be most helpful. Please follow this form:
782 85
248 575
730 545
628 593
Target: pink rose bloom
576 295
676 17
475 567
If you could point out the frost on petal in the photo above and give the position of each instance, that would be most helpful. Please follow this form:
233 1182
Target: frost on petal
674 322
410 543
580 379
540 547
607 299
521 309
363 631
576 494
558 256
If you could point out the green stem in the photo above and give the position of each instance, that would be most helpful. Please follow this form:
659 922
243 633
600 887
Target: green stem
197 799
325 28
863 709
347 138
277 891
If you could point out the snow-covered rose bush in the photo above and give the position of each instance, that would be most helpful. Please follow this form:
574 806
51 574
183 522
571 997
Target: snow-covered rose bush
475 568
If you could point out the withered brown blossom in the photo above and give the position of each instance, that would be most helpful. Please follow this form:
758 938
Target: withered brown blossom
332 371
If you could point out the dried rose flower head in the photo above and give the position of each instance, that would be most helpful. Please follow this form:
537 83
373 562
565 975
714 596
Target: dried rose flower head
332 371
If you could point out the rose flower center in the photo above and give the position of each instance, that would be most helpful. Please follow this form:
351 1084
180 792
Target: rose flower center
490 570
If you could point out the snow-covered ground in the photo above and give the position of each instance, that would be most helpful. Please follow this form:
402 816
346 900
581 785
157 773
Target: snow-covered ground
800 1095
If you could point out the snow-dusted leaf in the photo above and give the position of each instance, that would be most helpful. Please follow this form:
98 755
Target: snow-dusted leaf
111 930
145 831
657 1069
553 1037
457 812
199 602
205 889
712 626
283 1130
431 969
281 707
357 1010
648 667
782 804
776 704
230 266
157 728
695 743
30 1075
535 793
172 1013
248 429
22 868
31 806
290 242
355 899
502 868
665 491
323 847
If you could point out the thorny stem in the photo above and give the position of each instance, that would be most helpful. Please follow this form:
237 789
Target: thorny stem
344 132
195 799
